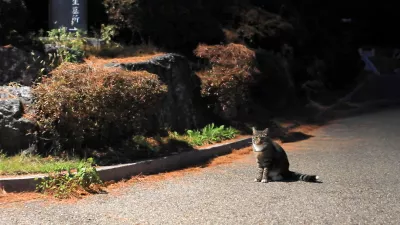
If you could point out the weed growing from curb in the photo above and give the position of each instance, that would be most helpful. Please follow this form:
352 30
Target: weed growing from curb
72 184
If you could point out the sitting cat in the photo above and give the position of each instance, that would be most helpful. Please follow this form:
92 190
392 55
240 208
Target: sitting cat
273 163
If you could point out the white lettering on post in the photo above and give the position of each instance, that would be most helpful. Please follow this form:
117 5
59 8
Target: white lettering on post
75 19
75 15
75 10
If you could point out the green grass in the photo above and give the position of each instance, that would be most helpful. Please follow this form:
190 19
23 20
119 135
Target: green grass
208 135
16 165
19 164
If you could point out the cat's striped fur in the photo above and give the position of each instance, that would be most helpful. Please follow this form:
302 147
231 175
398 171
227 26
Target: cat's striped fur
272 161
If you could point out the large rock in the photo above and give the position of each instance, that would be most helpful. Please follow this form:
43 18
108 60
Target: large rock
15 130
180 109
17 65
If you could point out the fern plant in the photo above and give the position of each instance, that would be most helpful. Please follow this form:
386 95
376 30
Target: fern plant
210 134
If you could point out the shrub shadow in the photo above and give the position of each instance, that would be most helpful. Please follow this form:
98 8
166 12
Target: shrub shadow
134 152
295 136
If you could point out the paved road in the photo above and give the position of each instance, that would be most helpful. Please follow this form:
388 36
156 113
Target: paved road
357 158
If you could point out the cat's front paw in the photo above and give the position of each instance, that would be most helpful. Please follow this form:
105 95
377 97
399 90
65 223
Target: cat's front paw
257 180
264 181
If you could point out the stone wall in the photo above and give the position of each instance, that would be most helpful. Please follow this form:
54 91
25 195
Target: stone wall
16 130
17 65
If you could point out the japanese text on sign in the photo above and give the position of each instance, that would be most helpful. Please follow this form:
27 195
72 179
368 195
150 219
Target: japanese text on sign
75 14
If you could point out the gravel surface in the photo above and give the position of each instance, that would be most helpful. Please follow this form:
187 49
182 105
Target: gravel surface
358 159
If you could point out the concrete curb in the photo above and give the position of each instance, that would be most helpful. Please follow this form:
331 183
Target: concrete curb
152 166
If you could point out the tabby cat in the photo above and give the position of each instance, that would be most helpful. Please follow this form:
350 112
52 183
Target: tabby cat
273 163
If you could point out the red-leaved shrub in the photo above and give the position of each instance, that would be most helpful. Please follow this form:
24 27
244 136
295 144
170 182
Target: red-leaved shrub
81 106
228 79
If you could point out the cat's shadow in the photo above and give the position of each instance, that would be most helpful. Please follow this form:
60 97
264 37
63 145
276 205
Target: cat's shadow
294 180
291 180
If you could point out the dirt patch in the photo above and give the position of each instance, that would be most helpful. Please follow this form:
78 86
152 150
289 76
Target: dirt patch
152 179
7 198
306 128
230 158
291 147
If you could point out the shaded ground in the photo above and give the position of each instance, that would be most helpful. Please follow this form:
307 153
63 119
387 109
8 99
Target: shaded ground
302 130
357 158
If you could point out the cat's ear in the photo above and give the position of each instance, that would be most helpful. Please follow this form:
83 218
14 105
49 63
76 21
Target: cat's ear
265 131
254 130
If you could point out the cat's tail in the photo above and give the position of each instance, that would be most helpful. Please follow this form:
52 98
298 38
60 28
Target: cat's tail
303 177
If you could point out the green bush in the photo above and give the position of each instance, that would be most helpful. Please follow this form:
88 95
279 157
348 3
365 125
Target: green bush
80 106
73 46
70 45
